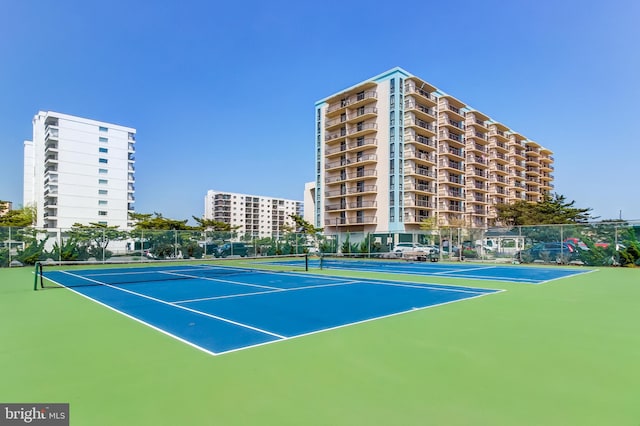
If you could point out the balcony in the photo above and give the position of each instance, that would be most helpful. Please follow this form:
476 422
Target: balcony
422 156
363 189
476 120
421 111
51 146
362 129
474 160
452 151
455 179
479 173
351 176
449 136
477 135
453 207
410 217
444 164
51 134
50 162
357 144
421 171
477 147
426 204
499 168
418 187
352 220
352 101
533 171
420 94
411 136
498 134
447 122
532 151
479 210
363 204
452 111
420 125
481 186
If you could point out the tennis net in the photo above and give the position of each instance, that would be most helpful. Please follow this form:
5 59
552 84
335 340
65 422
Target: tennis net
70 274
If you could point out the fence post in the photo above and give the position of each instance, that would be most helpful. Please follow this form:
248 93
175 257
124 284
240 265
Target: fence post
9 247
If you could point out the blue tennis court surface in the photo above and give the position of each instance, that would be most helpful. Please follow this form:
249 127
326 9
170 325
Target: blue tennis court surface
248 308
510 273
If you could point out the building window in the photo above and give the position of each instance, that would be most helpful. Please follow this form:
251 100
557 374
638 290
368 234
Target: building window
103 160
102 192
103 181
104 129
105 140
103 171
104 150
102 202
102 213
102 222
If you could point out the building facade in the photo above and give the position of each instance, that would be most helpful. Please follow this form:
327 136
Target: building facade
394 150
5 207
254 215
78 170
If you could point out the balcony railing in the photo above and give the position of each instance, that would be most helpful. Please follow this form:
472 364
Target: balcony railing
353 99
414 105
452 136
353 144
411 88
412 137
419 123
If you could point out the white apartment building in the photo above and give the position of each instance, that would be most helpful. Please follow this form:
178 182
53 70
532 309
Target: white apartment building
256 216
394 150
78 170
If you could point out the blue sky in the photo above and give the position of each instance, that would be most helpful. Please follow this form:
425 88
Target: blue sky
222 93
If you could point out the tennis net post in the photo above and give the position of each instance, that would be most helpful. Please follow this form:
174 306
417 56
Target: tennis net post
37 274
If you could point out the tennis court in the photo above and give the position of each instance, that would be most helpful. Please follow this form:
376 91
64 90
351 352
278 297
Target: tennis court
222 309
508 273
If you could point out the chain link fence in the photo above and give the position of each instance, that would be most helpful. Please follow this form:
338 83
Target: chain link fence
595 244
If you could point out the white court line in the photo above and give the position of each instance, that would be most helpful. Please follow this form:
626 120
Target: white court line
464 270
219 280
280 290
568 276
358 322
177 306
427 287
281 338
161 330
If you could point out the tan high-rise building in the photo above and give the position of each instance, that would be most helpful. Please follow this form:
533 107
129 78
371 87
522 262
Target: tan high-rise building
394 150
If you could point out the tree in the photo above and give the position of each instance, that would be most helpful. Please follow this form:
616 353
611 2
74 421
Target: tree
213 225
96 237
156 221
152 230
19 218
306 228
552 210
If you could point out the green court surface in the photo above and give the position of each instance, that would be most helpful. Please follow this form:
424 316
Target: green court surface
566 352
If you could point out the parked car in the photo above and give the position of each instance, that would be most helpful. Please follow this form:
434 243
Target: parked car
401 248
210 248
232 249
550 252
